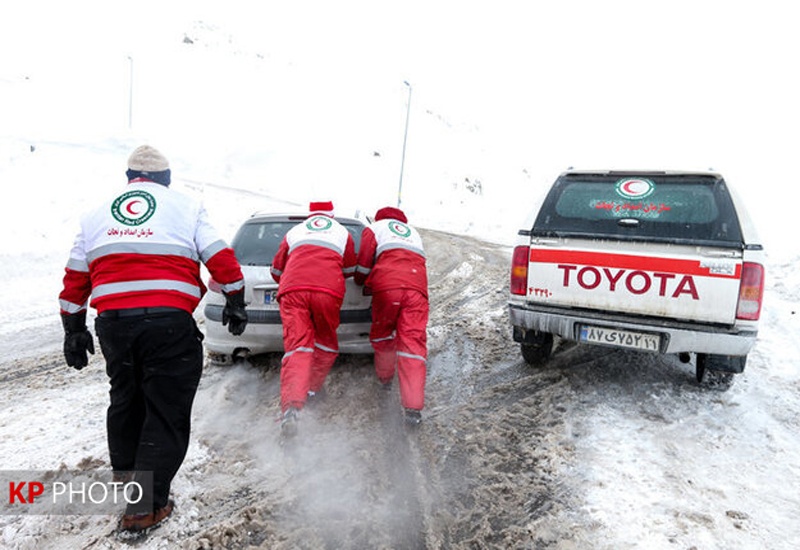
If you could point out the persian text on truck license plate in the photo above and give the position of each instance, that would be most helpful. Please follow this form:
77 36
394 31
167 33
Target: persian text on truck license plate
619 338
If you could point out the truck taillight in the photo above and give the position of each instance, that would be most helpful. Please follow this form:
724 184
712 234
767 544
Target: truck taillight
214 286
751 292
519 271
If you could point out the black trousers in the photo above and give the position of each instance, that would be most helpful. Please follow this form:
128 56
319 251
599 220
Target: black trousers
154 363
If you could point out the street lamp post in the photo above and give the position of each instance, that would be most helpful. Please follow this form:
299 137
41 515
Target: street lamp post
405 138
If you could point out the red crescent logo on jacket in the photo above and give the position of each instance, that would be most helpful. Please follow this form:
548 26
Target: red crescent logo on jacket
319 223
133 207
399 229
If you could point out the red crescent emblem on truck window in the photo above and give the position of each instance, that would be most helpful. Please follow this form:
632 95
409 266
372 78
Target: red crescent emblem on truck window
629 187
635 188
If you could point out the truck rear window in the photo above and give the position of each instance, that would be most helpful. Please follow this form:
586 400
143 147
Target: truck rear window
674 208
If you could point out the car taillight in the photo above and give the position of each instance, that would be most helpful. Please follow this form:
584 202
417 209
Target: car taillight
519 271
751 292
214 286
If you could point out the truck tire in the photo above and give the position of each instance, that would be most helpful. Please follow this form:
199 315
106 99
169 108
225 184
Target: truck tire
717 372
539 351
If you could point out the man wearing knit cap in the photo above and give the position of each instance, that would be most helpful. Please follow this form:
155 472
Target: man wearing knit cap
310 267
391 263
137 256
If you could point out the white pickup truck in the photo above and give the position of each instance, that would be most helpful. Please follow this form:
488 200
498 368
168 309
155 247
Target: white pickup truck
664 262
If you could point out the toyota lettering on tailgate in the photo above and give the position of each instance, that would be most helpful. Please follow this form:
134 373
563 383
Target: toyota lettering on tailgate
610 273
635 281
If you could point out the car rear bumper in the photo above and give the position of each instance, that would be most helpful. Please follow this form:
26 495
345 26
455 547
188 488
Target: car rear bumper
676 336
213 312
264 332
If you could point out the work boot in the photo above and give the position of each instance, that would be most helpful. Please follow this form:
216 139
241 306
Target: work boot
412 417
289 422
136 523
386 385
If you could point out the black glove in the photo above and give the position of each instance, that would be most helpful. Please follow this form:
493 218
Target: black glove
77 340
233 314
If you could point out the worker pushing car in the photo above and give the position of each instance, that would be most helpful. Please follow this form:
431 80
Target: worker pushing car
310 267
391 264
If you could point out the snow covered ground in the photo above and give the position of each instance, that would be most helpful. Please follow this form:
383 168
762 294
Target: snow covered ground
260 111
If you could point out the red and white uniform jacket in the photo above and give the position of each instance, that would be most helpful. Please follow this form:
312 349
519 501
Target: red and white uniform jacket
391 257
315 255
143 249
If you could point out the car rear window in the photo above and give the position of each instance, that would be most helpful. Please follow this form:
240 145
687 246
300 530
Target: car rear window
675 208
256 242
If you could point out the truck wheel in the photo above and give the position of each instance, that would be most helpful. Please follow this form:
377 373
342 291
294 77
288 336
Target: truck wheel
538 352
710 376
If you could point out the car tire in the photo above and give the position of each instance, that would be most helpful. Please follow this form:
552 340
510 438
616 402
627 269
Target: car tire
219 360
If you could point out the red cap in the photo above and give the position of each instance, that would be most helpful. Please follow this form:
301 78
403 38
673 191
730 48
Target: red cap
325 208
389 212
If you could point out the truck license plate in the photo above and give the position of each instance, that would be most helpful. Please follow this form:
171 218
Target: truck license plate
619 338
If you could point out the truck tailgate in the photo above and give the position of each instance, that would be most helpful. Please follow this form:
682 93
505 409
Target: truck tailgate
686 283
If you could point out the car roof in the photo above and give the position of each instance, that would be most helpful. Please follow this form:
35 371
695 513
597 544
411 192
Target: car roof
299 216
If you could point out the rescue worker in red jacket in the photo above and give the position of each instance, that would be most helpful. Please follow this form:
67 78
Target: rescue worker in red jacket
138 256
391 263
310 267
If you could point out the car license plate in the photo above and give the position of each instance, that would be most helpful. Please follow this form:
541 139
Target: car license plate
619 338
271 297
